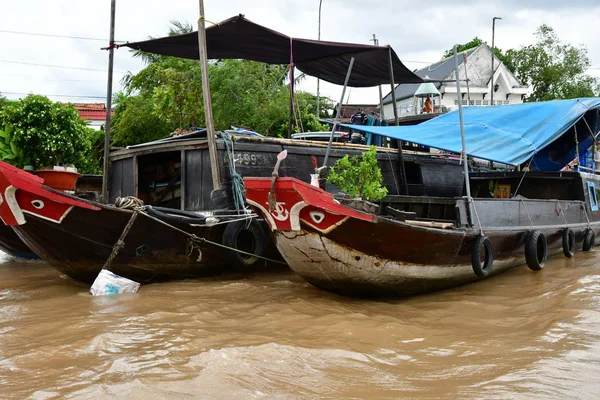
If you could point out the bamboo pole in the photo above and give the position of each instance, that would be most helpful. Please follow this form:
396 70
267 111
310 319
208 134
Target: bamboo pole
463 140
339 111
210 125
381 113
400 142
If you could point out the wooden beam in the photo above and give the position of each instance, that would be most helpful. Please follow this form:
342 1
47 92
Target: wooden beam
210 125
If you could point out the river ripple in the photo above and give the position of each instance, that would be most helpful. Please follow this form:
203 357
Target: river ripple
519 335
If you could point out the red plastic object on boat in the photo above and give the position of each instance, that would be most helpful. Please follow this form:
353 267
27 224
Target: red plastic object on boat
59 180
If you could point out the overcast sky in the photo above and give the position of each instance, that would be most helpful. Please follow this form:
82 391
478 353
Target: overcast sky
418 31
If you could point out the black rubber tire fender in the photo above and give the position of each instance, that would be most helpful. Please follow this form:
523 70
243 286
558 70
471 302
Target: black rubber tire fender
568 242
482 268
589 239
536 250
231 238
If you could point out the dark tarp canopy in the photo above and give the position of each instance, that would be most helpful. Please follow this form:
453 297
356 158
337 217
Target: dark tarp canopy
239 38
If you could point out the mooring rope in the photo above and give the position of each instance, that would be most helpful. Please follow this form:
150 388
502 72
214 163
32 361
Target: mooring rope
121 242
477 216
195 238
586 215
229 221
562 211
130 203
528 216
237 182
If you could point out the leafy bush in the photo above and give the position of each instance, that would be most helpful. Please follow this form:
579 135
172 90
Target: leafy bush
49 133
359 176
9 151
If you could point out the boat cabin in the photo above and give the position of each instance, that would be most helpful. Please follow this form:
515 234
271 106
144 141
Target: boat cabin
176 172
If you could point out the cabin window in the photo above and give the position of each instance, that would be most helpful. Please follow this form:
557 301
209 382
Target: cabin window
593 196
159 179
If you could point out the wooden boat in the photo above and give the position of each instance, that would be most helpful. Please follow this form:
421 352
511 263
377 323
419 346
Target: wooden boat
12 245
88 187
383 250
79 237
414 244
173 178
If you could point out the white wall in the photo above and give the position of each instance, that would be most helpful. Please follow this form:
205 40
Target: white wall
478 71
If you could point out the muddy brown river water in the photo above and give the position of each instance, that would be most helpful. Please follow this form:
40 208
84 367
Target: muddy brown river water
520 335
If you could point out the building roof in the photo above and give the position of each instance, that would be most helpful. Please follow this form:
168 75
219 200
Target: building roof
92 111
348 110
436 71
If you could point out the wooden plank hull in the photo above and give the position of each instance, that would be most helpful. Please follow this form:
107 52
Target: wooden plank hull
11 244
351 252
78 237
331 264
83 241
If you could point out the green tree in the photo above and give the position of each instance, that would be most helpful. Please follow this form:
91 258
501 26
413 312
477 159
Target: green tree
49 133
167 93
507 61
3 102
553 69
359 176
135 121
9 151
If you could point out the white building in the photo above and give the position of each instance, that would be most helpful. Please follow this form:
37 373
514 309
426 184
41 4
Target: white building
477 69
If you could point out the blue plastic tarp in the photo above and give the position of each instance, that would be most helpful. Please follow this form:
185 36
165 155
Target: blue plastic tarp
543 132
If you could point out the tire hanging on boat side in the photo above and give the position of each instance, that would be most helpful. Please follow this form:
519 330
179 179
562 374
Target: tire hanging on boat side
589 239
249 237
568 242
482 268
536 250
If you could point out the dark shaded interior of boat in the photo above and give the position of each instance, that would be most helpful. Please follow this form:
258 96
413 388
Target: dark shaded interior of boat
494 186
177 174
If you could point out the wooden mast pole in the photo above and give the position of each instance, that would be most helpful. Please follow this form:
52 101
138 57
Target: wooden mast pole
381 113
464 143
339 111
210 125
400 142
111 57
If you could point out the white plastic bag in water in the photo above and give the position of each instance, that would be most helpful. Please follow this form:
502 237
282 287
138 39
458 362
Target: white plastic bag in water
108 283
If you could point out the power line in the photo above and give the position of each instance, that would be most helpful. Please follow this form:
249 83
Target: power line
56 95
58 36
58 66
427 62
54 79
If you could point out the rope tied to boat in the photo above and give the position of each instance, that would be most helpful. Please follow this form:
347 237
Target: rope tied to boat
130 203
477 216
583 208
121 242
198 239
237 182
527 212
561 211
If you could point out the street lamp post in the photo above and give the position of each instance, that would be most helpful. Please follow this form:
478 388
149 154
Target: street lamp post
492 79
319 38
